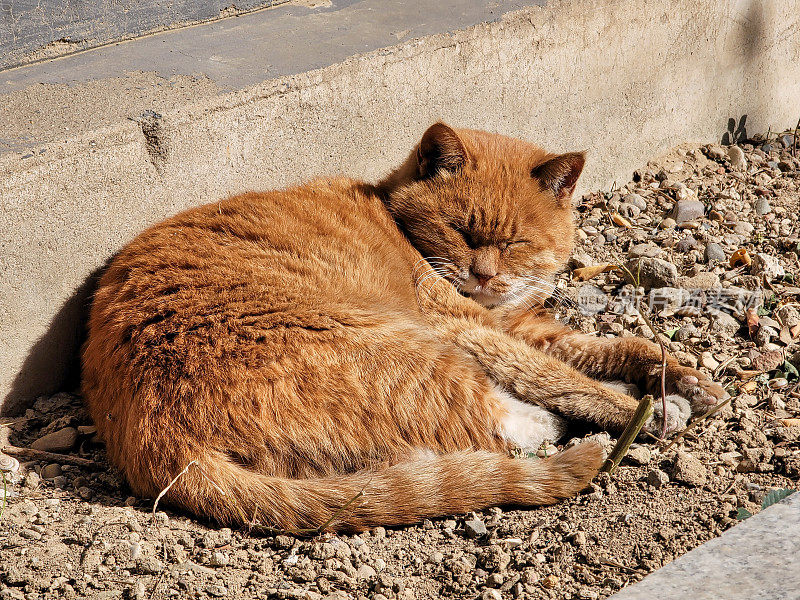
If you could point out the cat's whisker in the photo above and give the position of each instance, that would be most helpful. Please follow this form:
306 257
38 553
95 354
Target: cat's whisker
555 293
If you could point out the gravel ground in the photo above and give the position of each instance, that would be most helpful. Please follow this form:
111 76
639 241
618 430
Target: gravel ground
713 230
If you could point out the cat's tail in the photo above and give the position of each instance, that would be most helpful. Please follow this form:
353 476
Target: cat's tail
400 494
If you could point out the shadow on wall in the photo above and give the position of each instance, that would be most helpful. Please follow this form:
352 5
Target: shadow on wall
735 134
53 363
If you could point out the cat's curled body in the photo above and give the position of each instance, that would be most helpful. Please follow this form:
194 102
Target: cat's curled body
295 349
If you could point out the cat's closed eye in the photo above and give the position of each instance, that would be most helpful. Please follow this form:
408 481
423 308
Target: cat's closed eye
469 239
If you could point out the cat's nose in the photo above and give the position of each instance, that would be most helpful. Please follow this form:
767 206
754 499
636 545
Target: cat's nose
483 278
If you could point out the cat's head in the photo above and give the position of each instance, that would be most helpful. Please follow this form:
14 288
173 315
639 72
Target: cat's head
492 214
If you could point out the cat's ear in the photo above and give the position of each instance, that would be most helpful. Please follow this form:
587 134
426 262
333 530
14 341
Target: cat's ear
440 149
560 174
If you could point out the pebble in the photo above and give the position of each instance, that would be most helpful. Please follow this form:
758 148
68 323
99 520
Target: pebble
689 470
32 480
686 244
708 361
636 200
550 582
474 528
687 210
714 253
30 534
62 440
627 211
737 158
639 455
490 594
657 478
51 471
646 250
217 590
219 559
778 383
715 152
766 265
365 572
651 273
668 223
762 206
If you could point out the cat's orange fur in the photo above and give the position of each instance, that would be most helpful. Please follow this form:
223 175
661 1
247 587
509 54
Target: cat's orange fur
296 345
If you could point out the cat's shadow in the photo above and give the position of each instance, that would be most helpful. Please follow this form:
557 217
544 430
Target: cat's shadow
53 362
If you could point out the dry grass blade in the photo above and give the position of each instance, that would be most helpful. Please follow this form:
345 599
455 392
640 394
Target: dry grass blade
643 412
178 476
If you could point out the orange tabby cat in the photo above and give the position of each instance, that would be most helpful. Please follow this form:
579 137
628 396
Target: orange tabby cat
294 348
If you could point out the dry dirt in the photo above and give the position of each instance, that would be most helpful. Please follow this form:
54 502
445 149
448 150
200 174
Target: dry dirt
74 532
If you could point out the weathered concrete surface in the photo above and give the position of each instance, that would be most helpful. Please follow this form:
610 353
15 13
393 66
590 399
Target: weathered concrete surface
573 74
755 560
36 29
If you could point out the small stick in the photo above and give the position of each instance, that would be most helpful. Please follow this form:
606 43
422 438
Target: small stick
178 476
63 459
695 423
171 483
643 411
663 375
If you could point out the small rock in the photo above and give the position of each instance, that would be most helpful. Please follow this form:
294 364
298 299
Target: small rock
490 594
85 492
550 582
474 528
219 559
657 478
51 471
217 590
737 158
62 440
639 455
715 152
714 253
762 206
32 480
149 566
689 470
708 361
687 210
648 250
30 534
686 244
788 315
768 360
667 223
778 383
651 273
724 323
365 572
636 200
767 265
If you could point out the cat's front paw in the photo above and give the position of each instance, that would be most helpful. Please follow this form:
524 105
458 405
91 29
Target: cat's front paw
701 392
678 413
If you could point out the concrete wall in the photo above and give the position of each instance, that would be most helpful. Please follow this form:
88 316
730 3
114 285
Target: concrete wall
624 79
35 29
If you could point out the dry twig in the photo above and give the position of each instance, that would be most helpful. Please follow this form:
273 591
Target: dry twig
696 422
643 411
